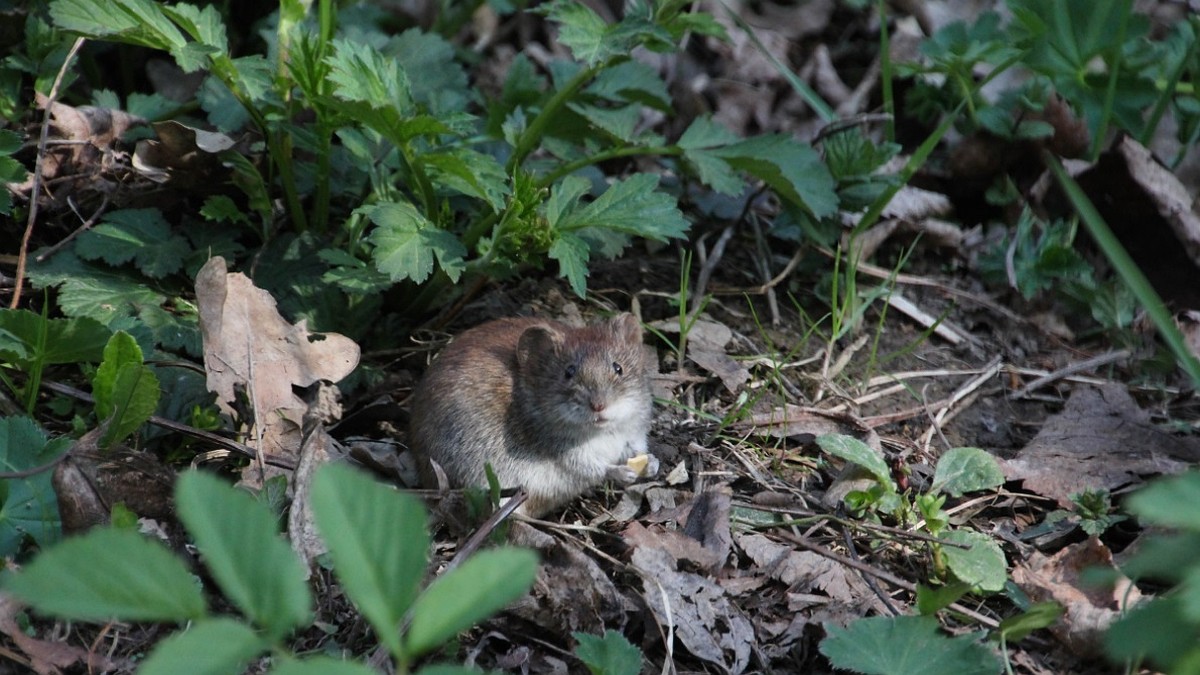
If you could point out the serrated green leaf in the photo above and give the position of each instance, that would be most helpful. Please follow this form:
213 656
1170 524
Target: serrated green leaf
982 565
213 646
323 665
140 235
443 85
139 22
121 350
351 273
470 173
962 470
571 252
77 340
611 654
406 243
856 452
204 25
794 171
460 598
1158 503
250 561
906 645
361 73
581 30
221 209
703 134
29 505
632 206
378 541
621 122
10 142
631 81
108 574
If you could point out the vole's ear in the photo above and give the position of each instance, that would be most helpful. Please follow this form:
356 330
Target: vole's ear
537 340
626 328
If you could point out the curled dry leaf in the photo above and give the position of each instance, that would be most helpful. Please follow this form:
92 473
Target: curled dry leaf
1089 609
185 154
1170 197
98 129
250 348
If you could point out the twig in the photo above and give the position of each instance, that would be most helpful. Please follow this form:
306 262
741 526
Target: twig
1071 369
963 393
35 191
87 224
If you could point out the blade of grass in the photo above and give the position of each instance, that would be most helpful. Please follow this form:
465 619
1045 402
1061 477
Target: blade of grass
1129 271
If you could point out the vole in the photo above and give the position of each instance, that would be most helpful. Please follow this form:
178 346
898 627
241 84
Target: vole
552 408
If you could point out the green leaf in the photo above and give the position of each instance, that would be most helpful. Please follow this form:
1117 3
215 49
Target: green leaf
28 506
610 655
982 565
253 565
352 274
794 171
632 81
632 206
323 665
571 252
204 25
361 73
121 350
1159 630
470 173
1039 616
1159 502
213 646
108 574
593 41
931 600
378 542
962 470
406 243
78 340
906 645
139 22
135 397
855 451
702 135
443 84
460 598
447 669
140 235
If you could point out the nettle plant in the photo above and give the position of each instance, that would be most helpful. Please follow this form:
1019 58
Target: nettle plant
395 175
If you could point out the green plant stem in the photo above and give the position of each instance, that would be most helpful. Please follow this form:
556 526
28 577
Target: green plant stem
885 73
1172 85
1110 95
1126 268
532 135
616 153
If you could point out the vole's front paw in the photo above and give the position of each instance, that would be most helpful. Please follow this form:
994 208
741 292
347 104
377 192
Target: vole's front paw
622 474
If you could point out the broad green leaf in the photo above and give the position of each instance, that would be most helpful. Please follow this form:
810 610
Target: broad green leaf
620 122
855 451
1159 630
214 646
140 235
323 665
1166 559
462 597
470 173
632 81
611 654
10 142
78 340
378 541
204 25
571 252
632 206
139 22
406 243
702 135
906 645
793 170
121 350
134 396
962 470
108 574
982 565
1159 502
29 505
1039 616
933 599
250 561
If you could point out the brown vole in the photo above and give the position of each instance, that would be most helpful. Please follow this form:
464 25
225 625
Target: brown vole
553 409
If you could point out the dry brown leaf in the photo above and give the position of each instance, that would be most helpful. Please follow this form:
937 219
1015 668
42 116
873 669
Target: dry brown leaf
302 527
186 155
47 657
1174 202
1101 439
249 348
1089 610
98 129
706 342
696 608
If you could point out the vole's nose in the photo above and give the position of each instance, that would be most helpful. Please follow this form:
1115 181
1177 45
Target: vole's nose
598 405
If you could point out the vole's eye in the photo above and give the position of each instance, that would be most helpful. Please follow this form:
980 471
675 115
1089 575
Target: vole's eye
617 368
571 370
